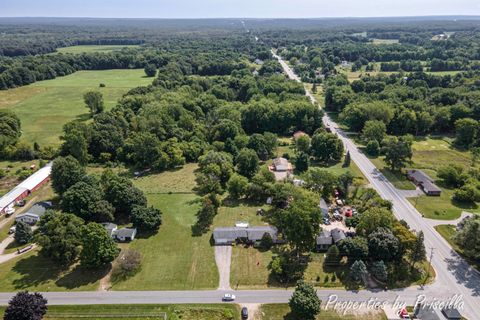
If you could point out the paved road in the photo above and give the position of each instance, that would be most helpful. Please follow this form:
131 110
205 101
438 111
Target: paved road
454 275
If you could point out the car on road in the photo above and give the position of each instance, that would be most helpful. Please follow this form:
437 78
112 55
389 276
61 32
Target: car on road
228 297
244 313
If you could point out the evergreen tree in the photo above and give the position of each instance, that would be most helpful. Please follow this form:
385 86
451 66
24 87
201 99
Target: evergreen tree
358 271
304 302
23 233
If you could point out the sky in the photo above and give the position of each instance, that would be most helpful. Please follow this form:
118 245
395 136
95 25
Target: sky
235 8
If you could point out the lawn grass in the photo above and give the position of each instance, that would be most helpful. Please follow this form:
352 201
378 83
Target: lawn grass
45 106
147 311
429 155
282 311
321 276
173 259
36 273
447 231
398 179
94 48
249 268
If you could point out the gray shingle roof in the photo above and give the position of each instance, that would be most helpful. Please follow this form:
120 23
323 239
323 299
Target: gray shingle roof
39 208
125 232
281 164
338 235
325 237
230 234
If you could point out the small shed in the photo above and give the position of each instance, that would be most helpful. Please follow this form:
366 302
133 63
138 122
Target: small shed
281 164
324 240
125 234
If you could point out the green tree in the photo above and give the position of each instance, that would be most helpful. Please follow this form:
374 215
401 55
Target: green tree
66 171
326 147
150 70
94 102
237 186
247 163
379 270
304 302
373 148
26 306
23 233
355 248
466 131
10 128
321 181
358 271
146 218
374 130
383 245
333 257
398 151
302 144
75 144
80 198
418 252
302 161
346 162
60 236
205 215
374 218
453 175
121 193
98 246
468 237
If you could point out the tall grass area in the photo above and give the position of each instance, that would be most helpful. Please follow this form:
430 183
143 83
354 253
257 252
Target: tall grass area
45 106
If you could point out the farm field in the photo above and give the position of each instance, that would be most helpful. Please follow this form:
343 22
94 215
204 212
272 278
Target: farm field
173 259
138 312
94 48
45 106
282 311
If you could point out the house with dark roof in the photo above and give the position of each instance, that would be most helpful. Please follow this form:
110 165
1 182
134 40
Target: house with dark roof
338 235
324 240
34 214
422 180
230 235
125 234
429 313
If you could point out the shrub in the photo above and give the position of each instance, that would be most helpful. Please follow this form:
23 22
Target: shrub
373 148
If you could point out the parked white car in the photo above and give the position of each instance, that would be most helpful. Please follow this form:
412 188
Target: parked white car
228 297
9 211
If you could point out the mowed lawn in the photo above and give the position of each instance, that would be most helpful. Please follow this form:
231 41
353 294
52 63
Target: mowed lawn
94 48
138 312
45 106
282 312
36 273
430 154
173 259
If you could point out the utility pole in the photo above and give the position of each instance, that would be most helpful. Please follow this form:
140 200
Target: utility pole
429 265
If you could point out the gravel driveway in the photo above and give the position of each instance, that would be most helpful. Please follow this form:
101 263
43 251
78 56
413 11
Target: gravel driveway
223 257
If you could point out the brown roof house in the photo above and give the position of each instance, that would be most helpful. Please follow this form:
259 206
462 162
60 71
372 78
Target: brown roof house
422 180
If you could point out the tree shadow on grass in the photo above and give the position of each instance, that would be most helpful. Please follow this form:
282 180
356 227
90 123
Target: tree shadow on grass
83 117
81 276
35 270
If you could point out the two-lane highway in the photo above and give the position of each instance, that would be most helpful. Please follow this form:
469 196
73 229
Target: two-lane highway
454 274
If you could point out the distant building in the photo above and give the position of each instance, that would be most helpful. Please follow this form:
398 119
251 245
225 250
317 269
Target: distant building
422 180
429 313
230 235
299 134
125 234
25 188
122 235
324 240
259 62
33 215
281 168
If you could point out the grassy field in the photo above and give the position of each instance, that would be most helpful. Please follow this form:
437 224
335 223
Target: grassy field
430 154
173 259
36 273
139 312
94 48
282 311
45 106
447 231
